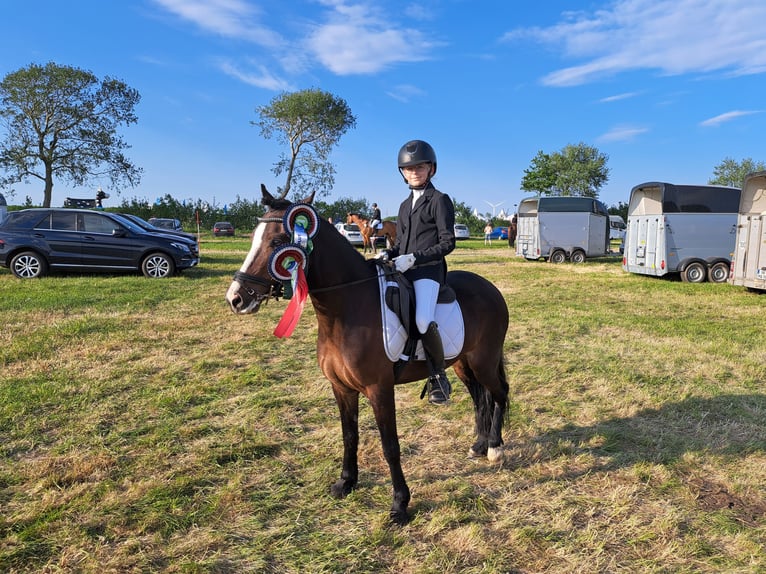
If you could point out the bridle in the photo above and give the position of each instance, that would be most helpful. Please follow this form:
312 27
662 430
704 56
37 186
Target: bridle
275 288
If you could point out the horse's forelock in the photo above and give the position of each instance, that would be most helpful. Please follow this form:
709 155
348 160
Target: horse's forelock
276 203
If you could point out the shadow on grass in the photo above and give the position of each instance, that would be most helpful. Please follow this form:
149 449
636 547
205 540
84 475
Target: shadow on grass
730 426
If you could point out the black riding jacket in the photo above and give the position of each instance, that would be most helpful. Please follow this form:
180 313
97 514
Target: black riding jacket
428 232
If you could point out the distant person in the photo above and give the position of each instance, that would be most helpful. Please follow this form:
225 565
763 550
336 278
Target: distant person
488 234
513 230
425 234
376 218
100 197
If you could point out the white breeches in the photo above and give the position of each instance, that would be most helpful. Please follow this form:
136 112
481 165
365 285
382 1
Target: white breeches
426 295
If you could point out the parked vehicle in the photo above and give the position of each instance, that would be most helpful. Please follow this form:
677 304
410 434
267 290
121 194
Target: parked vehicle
684 229
35 241
748 265
351 232
557 228
462 231
223 228
499 233
617 228
165 223
149 227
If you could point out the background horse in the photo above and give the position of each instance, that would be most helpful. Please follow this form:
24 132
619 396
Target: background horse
368 233
343 288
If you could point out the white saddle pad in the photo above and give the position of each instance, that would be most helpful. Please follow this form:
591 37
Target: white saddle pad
449 317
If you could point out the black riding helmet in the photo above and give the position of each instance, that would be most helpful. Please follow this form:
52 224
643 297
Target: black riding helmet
415 152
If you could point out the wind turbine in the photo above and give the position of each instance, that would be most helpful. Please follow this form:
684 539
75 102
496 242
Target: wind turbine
494 206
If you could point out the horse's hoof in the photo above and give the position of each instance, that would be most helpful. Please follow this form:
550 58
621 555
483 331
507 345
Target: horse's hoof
341 489
474 453
495 454
399 517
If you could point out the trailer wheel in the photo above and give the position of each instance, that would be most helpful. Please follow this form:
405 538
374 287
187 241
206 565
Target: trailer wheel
718 272
558 256
578 256
695 272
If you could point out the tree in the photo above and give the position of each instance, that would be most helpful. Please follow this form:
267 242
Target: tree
732 173
61 122
341 207
311 122
577 170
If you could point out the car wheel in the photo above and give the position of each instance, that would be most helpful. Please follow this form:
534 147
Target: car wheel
578 256
695 272
558 256
718 273
29 265
158 266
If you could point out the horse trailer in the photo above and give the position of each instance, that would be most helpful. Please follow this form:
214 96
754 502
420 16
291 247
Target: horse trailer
684 229
557 228
748 266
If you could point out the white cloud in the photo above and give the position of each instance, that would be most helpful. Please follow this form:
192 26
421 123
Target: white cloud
618 97
228 18
728 116
356 39
622 133
672 36
405 92
262 78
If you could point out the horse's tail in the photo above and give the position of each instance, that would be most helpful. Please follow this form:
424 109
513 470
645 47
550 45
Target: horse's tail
482 397
503 376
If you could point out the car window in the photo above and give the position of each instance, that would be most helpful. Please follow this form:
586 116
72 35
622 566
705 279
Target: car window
64 221
95 223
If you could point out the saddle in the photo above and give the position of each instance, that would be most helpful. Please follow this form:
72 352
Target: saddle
401 338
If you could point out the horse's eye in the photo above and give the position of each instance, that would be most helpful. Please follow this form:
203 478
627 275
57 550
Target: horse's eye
280 240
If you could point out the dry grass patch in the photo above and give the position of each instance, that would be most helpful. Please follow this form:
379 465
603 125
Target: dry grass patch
147 429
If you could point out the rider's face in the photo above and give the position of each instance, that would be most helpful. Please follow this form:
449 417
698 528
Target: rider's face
417 175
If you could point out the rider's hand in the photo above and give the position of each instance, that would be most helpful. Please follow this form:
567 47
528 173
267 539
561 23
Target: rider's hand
383 256
404 262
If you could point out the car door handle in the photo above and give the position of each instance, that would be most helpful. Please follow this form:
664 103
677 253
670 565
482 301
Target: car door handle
88 238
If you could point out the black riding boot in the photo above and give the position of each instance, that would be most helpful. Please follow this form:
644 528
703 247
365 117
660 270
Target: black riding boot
439 386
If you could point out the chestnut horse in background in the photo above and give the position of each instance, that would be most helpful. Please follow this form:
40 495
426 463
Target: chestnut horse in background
388 231
343 288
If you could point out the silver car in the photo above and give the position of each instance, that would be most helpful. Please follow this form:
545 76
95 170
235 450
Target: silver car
351 232
462 231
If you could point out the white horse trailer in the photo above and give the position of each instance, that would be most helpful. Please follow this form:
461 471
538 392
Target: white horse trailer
557 228
685 229
748 267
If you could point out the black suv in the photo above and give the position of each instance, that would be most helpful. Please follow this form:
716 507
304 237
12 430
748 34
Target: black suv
34 241
154 229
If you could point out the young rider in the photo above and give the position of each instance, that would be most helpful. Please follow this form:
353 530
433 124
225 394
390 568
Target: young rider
425 234
375 219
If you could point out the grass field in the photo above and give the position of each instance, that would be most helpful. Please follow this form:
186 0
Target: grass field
145 428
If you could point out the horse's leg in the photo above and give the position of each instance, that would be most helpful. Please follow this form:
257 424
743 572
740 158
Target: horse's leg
348 405
381 399
366 242
489 391
373 241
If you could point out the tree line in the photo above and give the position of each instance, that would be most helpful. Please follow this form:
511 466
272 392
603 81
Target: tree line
61 123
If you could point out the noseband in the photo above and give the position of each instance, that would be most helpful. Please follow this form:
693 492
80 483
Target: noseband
275 289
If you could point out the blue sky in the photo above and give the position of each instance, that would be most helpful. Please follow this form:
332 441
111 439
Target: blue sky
666 89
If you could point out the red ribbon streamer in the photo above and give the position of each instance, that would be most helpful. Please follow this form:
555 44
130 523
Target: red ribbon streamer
289 319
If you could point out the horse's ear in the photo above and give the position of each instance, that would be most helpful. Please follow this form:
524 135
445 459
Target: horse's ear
268 199
310 198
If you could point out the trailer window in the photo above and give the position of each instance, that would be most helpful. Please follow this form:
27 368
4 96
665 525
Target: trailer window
700 199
